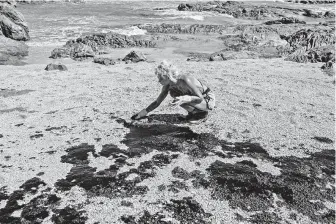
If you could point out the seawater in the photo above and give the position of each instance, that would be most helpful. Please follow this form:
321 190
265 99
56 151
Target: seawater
55 23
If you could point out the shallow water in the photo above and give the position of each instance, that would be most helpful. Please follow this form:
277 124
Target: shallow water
51 25
54 24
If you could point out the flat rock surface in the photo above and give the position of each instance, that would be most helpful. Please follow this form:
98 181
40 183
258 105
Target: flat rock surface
69 150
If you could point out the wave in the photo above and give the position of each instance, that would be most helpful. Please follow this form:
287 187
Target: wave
129 31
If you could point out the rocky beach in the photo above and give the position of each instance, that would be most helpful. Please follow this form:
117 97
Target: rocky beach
69 152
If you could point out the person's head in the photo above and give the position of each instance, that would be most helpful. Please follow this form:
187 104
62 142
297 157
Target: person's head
166 73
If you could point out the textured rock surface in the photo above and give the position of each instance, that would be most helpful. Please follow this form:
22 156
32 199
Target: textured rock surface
311 45
48 1
134 56
105 60
76 51
285 20
12 23
184 28
59 67
11 51
238 9
91 45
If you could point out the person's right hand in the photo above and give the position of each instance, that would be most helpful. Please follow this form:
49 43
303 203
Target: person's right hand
139 115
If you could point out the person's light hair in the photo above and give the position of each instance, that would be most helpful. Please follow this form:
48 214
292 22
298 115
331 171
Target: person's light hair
166 70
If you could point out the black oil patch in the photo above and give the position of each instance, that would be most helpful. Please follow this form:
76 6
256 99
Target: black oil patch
36 136
69 215
303 184
19 109
32 185
186 211
12 92
324 140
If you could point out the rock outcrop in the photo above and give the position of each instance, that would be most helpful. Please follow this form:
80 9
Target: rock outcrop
105 60
47 1
285 20
12 23
11 51
233 55
134 57
8 2
318 14
184 28
238 9
313 1
308 38
76 51
95 44
311 45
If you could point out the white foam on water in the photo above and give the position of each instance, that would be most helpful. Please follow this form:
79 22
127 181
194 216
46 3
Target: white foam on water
175 14
83 20
129 31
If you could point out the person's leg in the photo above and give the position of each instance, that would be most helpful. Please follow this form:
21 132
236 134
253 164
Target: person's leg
195 107
197 111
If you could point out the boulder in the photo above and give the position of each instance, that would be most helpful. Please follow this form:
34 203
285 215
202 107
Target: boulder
76 51
233 55
134 56
329 67
13 24
313 14
329 14
59 67
104 60
11 51
8 2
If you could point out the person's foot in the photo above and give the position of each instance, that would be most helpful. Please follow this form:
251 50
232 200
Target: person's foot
197 117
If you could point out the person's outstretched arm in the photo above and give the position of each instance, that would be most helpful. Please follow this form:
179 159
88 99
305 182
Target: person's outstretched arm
153 105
